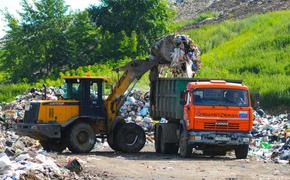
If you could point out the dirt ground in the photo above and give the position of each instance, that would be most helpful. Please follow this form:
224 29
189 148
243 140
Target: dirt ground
103 163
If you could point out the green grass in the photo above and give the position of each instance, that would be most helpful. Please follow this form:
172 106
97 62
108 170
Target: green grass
256 49
9 91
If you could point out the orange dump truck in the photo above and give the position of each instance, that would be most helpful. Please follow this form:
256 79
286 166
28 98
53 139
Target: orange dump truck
214 116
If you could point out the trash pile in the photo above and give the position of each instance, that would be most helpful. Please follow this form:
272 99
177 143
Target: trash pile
271 137
136 109
14 111
23 158
180 53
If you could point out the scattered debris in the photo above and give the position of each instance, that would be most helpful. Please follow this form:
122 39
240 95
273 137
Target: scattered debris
74 166
23 158
271 138
215 11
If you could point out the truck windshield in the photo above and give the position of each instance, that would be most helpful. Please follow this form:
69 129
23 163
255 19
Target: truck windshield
220 97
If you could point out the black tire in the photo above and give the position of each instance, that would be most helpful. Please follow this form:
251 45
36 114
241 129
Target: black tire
185 149
81 138
241 151
167 148
112 141
157 141
130 138
53 145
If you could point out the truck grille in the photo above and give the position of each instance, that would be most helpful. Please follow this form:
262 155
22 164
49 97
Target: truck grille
31 116
222 126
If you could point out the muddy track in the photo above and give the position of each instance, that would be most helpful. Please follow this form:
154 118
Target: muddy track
105 164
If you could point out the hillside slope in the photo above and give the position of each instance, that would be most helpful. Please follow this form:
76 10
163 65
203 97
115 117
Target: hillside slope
225 9
256 49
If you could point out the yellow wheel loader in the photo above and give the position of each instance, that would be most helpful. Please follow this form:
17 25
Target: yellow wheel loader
84 115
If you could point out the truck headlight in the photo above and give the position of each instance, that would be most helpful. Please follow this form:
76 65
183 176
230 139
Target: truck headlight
198 138
195 138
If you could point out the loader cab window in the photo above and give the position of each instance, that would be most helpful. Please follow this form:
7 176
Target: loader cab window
72 90
94 91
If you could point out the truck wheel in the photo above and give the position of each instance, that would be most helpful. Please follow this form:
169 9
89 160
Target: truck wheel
157 141
130 138
52 146
167 148
241 151
81 138
184 148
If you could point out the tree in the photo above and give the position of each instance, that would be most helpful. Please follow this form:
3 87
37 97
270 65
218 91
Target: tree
148 19
37 44
84 40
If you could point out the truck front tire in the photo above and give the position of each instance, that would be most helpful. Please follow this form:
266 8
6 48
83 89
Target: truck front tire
241 151
81 138
130 138
185 149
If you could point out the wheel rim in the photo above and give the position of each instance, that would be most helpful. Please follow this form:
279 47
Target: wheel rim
82 137
131 138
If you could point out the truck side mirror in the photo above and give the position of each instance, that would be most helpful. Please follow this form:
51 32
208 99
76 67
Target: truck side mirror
182 98
255 99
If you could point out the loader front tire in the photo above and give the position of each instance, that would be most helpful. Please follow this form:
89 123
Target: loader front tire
81 138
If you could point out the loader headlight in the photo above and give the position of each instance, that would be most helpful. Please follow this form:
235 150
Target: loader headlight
27 107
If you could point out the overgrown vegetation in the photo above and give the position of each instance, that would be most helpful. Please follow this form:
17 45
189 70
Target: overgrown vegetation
255 49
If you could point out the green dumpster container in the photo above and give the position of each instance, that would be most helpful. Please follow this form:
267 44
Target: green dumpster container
165 98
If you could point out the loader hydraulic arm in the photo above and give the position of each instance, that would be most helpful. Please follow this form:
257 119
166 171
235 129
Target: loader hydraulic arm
133 71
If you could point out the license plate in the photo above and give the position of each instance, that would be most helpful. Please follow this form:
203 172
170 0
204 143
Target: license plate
222 138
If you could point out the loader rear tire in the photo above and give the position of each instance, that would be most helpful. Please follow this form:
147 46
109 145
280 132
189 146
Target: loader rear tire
130 138
81 138
52 146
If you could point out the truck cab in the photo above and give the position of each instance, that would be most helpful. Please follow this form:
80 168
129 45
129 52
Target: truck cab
218 117
214 116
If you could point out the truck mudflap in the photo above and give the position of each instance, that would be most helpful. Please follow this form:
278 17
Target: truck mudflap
38 131
218 138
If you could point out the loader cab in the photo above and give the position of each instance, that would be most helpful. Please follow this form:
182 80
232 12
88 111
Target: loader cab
88 91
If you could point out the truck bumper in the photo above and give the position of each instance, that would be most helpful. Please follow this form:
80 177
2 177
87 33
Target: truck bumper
38 131
218 138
